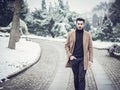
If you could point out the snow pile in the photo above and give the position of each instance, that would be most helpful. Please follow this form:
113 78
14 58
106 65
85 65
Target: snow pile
11 61
44 38
103 45
4 34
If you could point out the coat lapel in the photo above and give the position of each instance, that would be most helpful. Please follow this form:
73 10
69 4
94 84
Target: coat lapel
84 40
74 38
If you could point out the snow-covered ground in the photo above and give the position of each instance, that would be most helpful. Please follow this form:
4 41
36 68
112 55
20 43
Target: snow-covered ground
12 61
103 45
96 44
44 38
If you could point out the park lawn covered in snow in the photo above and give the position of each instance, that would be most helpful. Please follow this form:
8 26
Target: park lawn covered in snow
11 61
103 45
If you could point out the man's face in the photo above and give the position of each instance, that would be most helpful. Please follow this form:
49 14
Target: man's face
80 25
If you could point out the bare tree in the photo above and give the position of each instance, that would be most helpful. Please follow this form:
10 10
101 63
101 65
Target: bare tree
103 6
14 34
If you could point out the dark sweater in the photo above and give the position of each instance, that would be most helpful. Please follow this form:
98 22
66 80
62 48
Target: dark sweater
78 48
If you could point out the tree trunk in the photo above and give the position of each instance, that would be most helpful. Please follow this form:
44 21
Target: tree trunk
50 25
14 33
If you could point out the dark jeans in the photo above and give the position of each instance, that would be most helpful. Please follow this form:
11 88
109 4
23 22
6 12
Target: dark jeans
79 74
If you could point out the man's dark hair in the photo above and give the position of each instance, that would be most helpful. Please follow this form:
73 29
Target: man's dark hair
80 19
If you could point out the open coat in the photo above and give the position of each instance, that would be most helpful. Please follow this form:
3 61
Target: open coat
87 47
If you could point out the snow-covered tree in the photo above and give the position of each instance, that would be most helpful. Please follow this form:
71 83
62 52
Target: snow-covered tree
41 23
102 8
95 20
24 11
50 9
87 26
61 4
71 16
99 12
43 4
116 31
23 27
67 6
55 23
115 12
49 23
106 32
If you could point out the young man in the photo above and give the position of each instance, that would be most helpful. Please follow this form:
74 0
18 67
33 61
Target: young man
79 50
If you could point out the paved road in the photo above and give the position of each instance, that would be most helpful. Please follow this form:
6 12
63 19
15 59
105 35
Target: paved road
90 81
111 66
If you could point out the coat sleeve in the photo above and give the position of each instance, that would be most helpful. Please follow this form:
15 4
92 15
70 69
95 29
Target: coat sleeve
67 46
90 48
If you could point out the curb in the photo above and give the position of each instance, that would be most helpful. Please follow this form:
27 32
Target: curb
100 48
24 69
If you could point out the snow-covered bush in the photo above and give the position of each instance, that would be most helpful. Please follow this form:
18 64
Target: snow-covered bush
23 27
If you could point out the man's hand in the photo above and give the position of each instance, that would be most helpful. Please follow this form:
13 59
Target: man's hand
90 63
72 58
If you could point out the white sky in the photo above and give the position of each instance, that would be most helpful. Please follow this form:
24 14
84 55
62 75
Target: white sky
80 6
